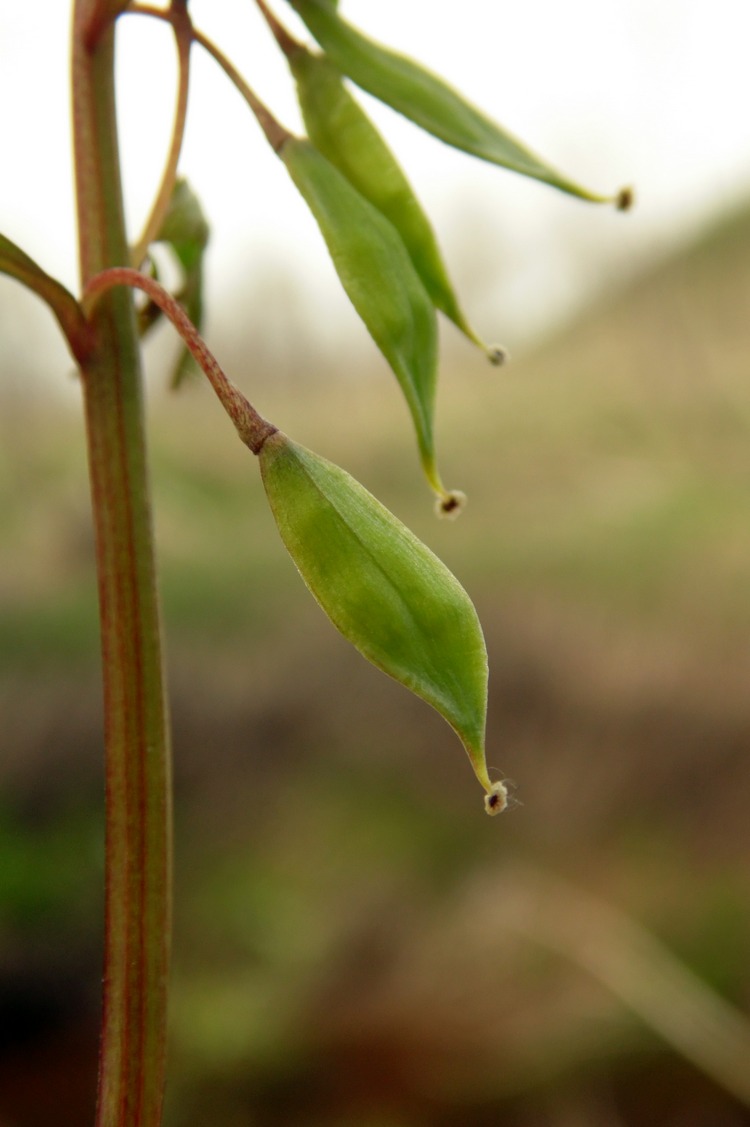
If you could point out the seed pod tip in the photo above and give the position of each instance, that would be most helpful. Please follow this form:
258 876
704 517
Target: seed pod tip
497 355
450 505
496 800
625 199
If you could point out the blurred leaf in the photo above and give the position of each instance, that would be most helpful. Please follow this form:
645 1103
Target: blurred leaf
426 99
150 313
185 228
186 232
381 587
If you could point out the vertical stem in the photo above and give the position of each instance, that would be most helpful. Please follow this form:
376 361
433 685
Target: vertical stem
138 786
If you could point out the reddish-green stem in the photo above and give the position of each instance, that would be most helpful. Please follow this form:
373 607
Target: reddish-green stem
275 133
180 21
138 787
252 428
286 42
16 264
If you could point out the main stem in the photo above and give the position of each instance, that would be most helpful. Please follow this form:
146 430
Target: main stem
138 784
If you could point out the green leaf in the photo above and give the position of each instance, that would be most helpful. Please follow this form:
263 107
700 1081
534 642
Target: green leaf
186 232
344 134
426 99
17 264
378 275
382 588
185 227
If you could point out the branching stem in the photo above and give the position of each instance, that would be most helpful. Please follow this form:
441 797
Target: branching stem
288 44
252 428
180 21
275 132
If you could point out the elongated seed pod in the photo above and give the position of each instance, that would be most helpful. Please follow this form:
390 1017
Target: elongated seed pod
426 99
378 275
382 588
341 130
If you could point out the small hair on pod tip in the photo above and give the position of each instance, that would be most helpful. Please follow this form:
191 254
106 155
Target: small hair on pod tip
497 799
497 355
625 199
450 505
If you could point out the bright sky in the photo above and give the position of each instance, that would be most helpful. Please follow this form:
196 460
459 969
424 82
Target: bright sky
649 92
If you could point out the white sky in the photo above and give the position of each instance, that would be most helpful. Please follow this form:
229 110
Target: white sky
649 92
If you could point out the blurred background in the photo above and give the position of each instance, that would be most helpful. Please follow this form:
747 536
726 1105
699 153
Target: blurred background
357 945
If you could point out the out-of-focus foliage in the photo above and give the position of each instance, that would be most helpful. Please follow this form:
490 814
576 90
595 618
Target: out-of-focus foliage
350 948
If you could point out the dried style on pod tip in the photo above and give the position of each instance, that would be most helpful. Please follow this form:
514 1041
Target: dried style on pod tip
625 199
497 355
450 505
497 799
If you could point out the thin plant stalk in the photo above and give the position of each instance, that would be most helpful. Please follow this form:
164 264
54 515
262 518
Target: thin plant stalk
252 428
180 21
138 783
274 131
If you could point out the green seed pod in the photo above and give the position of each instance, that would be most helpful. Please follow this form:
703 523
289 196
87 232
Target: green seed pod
342 132
377 273
381 587
426 99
